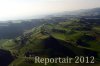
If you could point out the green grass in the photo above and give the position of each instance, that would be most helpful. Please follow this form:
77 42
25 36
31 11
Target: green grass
74 36
16 62
68 38
96 29
94 45
21 62
59 36
9 44
2 41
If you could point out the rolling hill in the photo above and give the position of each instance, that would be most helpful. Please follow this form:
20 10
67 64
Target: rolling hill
74 35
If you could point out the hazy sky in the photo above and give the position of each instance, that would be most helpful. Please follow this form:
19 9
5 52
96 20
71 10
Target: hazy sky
15 9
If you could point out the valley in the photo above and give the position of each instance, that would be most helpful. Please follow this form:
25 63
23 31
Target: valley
75 35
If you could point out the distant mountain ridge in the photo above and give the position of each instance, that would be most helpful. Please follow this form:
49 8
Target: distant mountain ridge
81 12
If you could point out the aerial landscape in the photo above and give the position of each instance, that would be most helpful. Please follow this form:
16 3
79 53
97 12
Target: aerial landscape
60 30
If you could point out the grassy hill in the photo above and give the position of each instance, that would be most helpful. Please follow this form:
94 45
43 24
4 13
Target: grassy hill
76 37
77 34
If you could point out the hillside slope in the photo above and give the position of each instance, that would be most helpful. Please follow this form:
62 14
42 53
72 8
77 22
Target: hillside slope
76 37
67 35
